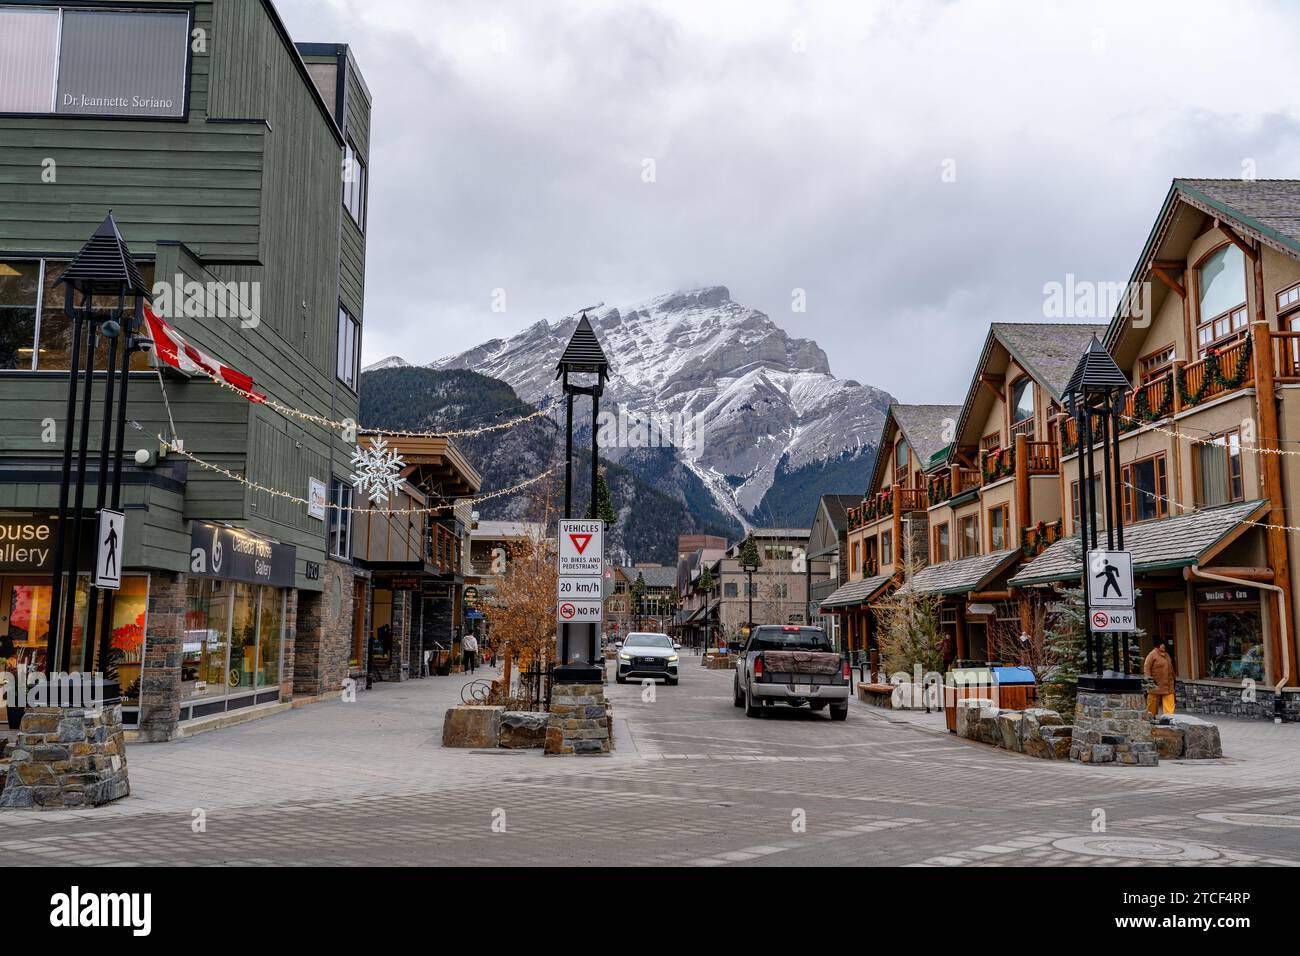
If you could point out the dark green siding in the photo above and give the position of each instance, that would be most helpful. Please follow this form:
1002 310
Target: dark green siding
248 189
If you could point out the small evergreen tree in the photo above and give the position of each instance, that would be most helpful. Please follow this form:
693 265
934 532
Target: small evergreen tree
1066 642
638 597
604 505
749 555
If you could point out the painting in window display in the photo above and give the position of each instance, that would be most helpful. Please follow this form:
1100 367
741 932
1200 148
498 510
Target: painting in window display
243 638
207 629
270 631
130 610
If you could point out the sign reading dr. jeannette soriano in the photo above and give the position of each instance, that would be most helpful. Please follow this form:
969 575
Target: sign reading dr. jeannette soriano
582 548
235 555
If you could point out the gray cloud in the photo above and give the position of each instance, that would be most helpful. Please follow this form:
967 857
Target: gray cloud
509 140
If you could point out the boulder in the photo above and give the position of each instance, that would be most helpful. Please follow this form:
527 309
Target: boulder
472 725
987 729
1058 745
1036 724
968 711
1200 737
523 728
1009 729
1168 740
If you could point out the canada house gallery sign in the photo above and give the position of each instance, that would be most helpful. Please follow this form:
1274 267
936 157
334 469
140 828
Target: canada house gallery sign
234 555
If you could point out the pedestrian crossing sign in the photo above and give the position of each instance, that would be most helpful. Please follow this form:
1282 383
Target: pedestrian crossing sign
1109 576
108 549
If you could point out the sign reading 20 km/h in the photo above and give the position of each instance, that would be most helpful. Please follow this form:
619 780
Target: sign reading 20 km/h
582 548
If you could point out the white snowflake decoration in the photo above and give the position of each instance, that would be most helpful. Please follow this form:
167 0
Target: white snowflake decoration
377 472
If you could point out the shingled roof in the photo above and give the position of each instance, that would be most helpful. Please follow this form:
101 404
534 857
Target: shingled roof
965 574
583 353
924 427
837 508
1175 542
1049 351
857 592
1270 206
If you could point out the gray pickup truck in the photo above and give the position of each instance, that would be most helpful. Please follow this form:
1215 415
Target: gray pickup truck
791 665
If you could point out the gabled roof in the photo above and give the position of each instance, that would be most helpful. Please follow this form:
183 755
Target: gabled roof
1176 542
1263 209
583 353
1048 351
924 428
857 592
104 264
656 577
837 509
965 574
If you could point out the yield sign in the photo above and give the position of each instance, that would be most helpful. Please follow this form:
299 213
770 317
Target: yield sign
582 548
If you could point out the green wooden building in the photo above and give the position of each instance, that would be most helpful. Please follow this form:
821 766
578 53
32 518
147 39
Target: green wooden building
235 164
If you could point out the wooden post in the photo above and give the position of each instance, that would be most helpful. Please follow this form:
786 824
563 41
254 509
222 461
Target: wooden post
961 630
1266 403
896 557
1022 487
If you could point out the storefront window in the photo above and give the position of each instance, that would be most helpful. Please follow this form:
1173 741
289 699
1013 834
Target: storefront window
243 638
25 626
270 630
381 644
130 610
35 332
1234 645
207 624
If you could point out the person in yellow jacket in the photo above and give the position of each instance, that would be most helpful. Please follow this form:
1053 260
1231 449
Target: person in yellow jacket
1159 666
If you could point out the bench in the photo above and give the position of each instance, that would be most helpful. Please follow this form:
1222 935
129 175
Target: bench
878 695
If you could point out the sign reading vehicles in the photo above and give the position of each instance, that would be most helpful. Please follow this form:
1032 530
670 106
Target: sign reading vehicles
582 548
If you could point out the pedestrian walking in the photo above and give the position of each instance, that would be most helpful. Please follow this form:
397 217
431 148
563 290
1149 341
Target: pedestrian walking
469 651
1159 666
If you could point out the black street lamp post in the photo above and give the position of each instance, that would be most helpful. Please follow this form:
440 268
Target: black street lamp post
1094 397
103 269
583 354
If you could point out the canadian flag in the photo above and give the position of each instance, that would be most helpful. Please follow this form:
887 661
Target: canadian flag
170 346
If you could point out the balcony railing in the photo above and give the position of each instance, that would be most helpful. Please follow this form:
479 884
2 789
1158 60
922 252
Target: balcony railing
938 489
1223 371
1042 458
968 479
1036 539
1023 427
1286 356
912 499
997 464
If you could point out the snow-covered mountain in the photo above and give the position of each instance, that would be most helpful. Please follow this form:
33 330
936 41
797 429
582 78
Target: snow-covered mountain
749 402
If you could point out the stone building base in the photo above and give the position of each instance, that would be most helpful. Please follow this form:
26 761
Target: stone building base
1112 727
67 757
580 722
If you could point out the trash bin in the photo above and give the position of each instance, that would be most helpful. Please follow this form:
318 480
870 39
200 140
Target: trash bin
1014 688
961 683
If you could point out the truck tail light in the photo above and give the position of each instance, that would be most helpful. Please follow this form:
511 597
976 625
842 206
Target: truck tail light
758 666
847 670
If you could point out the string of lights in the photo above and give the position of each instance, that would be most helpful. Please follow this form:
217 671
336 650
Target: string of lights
337 425
1212 439
296 499
1182 507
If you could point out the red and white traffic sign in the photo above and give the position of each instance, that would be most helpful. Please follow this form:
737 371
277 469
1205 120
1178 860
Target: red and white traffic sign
582 548
580 611
1113 619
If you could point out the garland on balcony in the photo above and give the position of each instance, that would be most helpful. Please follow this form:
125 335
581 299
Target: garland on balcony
999 464
939 489
1034 541
1143 413
1214 375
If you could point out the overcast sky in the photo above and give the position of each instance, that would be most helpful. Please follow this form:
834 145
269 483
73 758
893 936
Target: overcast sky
919 169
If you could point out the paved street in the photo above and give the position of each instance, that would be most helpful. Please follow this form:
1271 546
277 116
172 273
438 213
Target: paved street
693 782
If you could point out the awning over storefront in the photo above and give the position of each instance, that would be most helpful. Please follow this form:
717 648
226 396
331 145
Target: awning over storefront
856 592
1169 543
965 574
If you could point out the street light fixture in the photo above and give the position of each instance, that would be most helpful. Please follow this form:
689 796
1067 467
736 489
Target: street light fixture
103 270
1094 396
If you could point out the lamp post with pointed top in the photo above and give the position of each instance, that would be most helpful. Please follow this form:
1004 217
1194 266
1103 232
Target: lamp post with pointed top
583 355
1094 397
103 270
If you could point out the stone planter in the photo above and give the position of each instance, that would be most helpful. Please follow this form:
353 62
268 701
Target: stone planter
67 757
